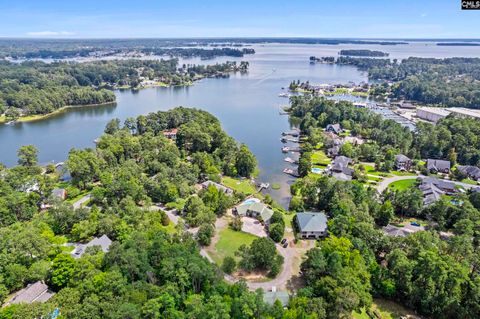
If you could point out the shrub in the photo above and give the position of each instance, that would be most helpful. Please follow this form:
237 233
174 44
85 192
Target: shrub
229 264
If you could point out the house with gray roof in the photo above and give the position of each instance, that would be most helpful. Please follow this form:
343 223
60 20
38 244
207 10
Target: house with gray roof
220 187
402 162
311 225
256 210
447 186
470 171
103 242
340 170
60 193
36 292
404 231
334 128
438 166
431 193
271 296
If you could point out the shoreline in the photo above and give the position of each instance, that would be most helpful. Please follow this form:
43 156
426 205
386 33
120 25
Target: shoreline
39 117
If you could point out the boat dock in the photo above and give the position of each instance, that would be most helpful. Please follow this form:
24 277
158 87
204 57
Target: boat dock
293 140
290 160
291 172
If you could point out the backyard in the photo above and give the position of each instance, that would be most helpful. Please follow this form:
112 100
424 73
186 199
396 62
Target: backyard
244 186
402 185
228 243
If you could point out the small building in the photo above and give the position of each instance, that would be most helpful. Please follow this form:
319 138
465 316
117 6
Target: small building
438 166
395 231
60 193
334 128
220 187
432 114
103 242
403 163
333 151
470 171
256 210
36 292
311 225
170 134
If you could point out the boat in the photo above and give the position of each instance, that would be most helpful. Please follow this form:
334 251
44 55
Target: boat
290 160
284 95
291 172
285 149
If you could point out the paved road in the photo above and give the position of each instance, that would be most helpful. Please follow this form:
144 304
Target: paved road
79 203
387 181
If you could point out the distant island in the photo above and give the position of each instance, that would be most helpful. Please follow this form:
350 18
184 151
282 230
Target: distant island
458 44
366 53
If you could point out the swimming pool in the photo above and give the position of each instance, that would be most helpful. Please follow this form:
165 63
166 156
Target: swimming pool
251 201
316 170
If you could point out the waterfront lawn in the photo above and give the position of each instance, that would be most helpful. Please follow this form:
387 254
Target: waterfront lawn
403 184
244 186
320 158
228 243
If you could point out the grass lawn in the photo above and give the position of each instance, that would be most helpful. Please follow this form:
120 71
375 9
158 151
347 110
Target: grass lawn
242 186
375 179
385 309
320 158
178 204
288 219
228 243
469 181
398 173
403 185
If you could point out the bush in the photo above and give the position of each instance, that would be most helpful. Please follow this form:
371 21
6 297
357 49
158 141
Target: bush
229 264
236 224
205 234
165 219
276 231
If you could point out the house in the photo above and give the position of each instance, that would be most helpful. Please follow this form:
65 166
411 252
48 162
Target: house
333 151
103 242
402 162
340 170
447 186
334 128
472 172
220 187
431 193
256 210
271 296
438 166
171 134
36 292
395 231
311 225
60 193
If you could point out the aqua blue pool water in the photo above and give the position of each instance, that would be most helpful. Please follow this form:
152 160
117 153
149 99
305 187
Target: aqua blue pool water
316 170
251 201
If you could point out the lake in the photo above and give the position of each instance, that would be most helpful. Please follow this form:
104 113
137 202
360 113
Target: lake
247 105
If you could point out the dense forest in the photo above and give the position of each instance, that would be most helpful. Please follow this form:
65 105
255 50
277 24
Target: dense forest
453 138
453 82
436 276
366 53
41 88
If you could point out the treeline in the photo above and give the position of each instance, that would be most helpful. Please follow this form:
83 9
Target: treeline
453 138
435 277
41 88
453 82
199 52
367 53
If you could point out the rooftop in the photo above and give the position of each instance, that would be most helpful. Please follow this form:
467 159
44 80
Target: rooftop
310 221
36 292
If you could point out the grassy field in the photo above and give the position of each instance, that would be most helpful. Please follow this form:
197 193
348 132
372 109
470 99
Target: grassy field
228 243
242 186
403 185
385 309
320 158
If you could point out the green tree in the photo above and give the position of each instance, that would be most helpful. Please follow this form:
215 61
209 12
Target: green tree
27 155
229 264
63 267
245 162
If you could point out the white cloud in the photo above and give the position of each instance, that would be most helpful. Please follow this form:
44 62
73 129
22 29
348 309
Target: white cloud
423 15
49 33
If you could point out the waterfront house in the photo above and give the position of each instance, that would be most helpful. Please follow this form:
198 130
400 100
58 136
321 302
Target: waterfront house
334 128
402 162
438 166
470 171
311 225
340 170
256 210
220 187
36 292
103 242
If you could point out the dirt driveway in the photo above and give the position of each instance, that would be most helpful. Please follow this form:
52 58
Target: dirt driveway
253 226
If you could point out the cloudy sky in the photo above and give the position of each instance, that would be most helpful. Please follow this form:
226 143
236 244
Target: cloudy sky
246 18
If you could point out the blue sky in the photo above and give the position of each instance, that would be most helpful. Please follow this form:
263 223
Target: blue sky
243 18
